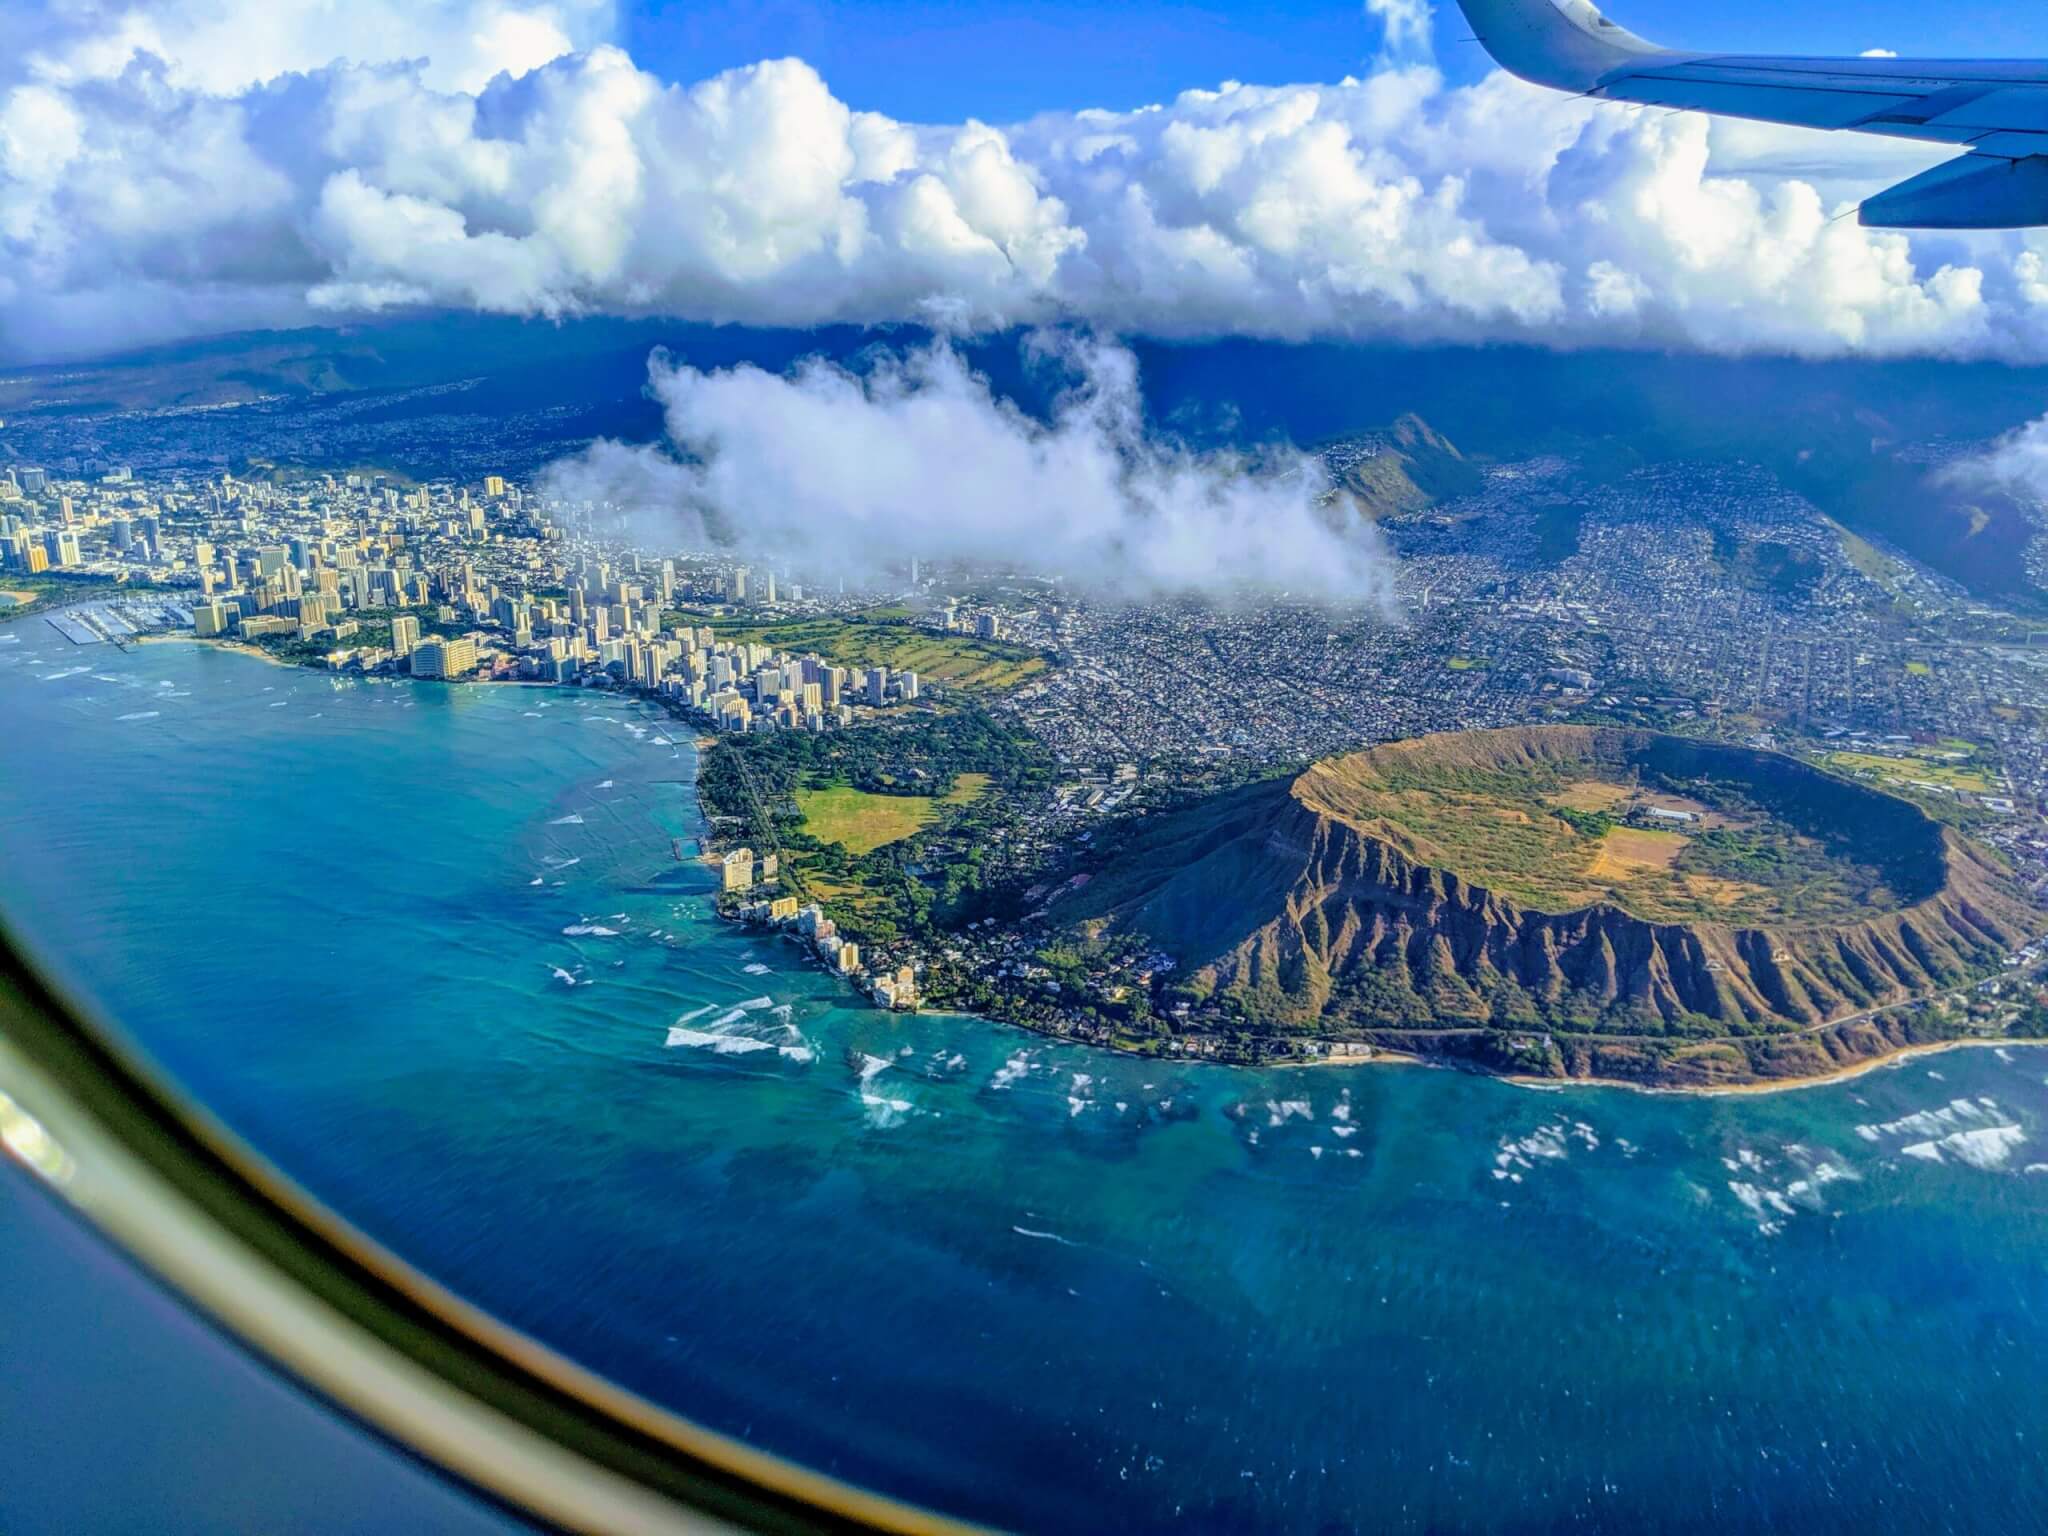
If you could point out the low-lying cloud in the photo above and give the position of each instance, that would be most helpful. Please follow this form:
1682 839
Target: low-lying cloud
501 155
826 471
2016 464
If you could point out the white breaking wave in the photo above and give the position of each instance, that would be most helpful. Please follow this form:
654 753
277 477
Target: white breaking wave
724 1045
1988 1147
593 930
756 969
142 714
883 1110
563 976
1970 1131
570 820
738 1031
1019 1065
1045 1237
1547 1143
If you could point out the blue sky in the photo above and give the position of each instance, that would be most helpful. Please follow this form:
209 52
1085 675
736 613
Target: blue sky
927 60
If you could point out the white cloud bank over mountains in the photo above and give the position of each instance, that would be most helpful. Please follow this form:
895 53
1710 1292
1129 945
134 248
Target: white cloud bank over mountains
207 164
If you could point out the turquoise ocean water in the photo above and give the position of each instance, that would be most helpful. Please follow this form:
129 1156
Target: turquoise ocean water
422 947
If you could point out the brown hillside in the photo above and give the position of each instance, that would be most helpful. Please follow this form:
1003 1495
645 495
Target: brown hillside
1310 905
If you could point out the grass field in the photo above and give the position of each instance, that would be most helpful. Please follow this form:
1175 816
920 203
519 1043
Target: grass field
1502 830
1626 853
860 822
1589 795
884 640
1868 559
1970 777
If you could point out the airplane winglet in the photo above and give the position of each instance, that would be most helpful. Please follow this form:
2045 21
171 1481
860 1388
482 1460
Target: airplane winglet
1564 44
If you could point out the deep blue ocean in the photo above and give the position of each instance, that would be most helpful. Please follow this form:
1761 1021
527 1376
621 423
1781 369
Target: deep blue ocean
423 947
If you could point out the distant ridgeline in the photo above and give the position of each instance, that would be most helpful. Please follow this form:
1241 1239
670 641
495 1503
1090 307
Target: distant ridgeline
1561 899
1405 468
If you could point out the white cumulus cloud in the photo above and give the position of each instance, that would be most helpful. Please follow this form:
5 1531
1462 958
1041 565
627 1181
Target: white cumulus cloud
824 470
2016 463
500 155
1405 24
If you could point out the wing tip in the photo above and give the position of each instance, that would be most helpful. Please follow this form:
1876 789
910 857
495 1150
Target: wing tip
1567 45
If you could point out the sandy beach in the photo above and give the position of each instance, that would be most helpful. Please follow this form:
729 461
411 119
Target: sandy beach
1884 1063
239 647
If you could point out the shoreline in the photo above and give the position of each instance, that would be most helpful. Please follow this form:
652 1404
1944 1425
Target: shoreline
1386 1057
1889 1061
1380 1056
236 647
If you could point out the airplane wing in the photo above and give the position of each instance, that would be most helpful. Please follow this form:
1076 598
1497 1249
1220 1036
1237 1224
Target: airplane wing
1997 109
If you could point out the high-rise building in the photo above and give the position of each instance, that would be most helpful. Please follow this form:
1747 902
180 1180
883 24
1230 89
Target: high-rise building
405 634
494 486
737 869
61 545
878 685
210 619
906 684
34 481
444 658
739 584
